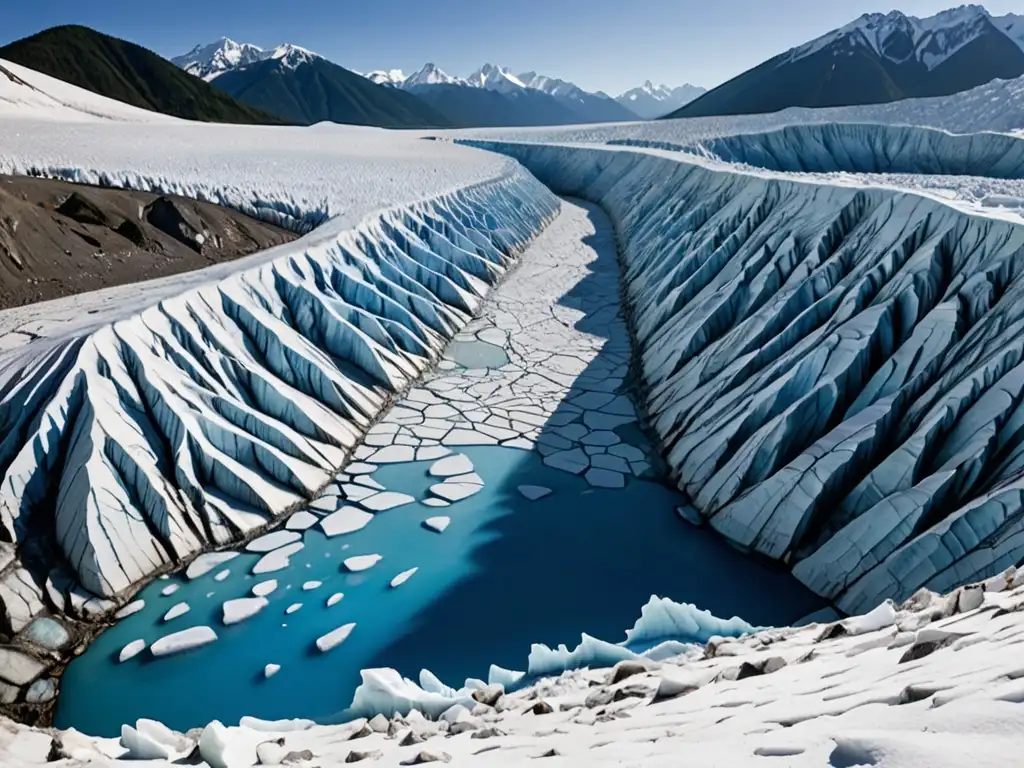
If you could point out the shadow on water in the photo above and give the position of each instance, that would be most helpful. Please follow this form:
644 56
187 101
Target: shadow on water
506 573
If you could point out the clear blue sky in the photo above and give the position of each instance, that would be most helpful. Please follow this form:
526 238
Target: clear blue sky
610 45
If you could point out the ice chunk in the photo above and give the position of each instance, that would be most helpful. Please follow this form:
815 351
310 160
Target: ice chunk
457 464
130 651
205 563
664 619
384 691
534 492
193 637
270 670
438 524
141 747
450 491
881 617
170 589
361 562
506 678
292 608
216 749
277 560
264 588
273 540
311 585
301 521
385 500
275 726
222 575
178 610
132 608
433 502
345 520
334 638
403 577
591 652
335 599
242 608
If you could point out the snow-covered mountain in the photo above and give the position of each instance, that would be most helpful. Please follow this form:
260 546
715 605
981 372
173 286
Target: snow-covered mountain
878 58
495 78
214 59
650 101
931 41
389 77
431 74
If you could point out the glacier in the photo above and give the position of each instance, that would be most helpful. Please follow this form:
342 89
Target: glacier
834 372
142 437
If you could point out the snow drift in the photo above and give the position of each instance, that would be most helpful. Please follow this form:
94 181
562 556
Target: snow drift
134 443
836 374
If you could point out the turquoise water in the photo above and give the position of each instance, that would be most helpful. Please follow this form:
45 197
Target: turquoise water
506 573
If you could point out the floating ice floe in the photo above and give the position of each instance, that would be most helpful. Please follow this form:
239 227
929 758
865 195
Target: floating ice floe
334 638
277 560
534 492
292 608
361 562
178 610
311 585
264 588
130 609
301 521
334 599
205 563
242 608
385 500
457 464
403 577
170 589
458 487
274 540
434 502
193 637
222 575
270 670
130 651
438 524
345 520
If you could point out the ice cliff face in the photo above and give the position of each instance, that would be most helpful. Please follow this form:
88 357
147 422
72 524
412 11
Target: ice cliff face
134 443
836 374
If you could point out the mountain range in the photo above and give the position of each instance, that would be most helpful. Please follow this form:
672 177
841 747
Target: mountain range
877 58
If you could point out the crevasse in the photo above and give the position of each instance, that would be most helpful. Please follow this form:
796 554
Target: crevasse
836 374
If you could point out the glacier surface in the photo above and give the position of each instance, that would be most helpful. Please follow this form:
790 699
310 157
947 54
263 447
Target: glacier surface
834 372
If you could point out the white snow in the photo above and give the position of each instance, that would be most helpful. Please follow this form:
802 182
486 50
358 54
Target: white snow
361 562
270 670
193 637
334 638
242 608
403 577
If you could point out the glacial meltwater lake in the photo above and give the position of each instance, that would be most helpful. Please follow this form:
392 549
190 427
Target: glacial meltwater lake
506 573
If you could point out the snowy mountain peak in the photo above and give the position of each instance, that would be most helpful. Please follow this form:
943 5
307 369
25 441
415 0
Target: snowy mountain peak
650 101
495 78
292 56
390 77
431 74
213 59
930 40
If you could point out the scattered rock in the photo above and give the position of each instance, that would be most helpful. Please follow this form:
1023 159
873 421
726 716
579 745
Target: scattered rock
41 691
671 689
463 726
550 753
541 708
637 691
428 757
487 733
599 698
301 756
358 757
19 668
47 633
412 738
627 668
361 732
489 695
